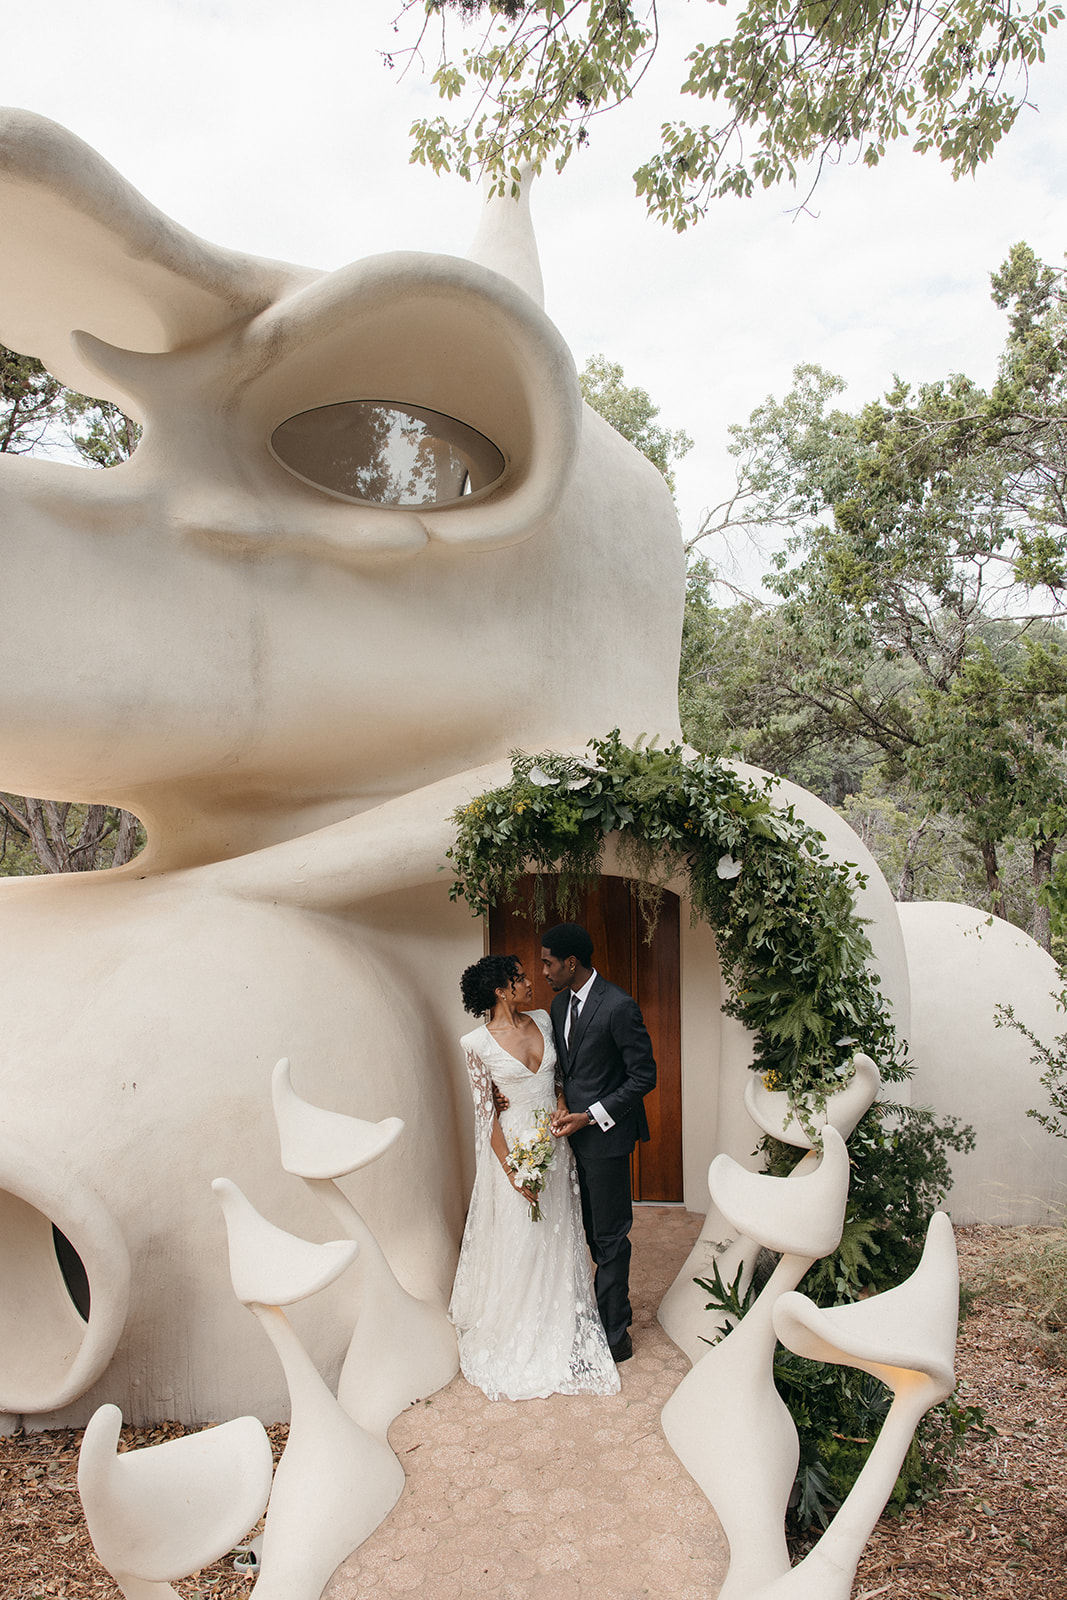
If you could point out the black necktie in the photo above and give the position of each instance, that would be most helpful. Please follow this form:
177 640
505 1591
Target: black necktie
574 1022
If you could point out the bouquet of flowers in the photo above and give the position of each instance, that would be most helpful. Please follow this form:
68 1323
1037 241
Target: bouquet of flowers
530 1158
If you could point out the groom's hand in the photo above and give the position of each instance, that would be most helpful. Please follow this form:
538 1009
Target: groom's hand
568 1122
500 1101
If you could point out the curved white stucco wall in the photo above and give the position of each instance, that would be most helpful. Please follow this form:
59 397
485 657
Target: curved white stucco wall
963 964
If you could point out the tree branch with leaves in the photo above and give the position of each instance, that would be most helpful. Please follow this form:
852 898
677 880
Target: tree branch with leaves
798 83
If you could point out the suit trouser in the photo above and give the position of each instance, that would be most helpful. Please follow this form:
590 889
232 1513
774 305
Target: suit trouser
607 1216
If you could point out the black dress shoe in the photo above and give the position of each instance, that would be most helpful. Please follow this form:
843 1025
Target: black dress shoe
623 1350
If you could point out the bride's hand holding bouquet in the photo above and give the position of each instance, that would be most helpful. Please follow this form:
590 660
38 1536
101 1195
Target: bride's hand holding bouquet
528 1162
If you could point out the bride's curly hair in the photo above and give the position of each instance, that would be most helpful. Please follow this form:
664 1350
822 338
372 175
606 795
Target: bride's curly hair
479 983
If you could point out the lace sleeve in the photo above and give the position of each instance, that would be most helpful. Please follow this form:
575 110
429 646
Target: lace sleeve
482 1092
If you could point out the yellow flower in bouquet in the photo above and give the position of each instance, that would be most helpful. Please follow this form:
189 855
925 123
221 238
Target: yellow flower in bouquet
530 1158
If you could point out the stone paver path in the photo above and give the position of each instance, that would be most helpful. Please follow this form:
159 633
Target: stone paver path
569 1498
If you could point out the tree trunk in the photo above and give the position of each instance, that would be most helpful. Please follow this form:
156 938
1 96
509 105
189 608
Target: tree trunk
85 853
43 823
992 878
906 881
51 859
1041 873
125 839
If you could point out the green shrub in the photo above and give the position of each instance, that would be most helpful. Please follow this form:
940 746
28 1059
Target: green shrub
1052 1059
838 1413
899 1174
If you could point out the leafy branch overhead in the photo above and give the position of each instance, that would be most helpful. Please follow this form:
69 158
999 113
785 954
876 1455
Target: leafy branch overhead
796 83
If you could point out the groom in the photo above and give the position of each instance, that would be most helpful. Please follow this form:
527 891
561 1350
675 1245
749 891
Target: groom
607 1067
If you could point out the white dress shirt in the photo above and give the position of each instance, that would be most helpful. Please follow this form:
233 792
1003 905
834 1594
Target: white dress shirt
596 1110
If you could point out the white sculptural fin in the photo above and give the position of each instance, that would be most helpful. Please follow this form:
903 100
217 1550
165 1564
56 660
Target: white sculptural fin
125 376
505 239
399 843
142 280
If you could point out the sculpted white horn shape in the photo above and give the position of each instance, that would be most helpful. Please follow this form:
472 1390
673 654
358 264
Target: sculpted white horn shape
269 1266
316 1143
770 1108
157 1514
681 1311
505 239
896 1336
335 1481
402 1348
334 1484
726 1421
142 280
798 1215
907 1338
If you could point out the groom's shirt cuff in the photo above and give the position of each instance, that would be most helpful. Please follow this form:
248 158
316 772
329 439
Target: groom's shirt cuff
600 1116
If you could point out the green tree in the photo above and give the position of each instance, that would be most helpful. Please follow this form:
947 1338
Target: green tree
99 430
35 412
57 836
632 413
751 685
921 586
30 402
1052 1059
925 852
992 747
797 82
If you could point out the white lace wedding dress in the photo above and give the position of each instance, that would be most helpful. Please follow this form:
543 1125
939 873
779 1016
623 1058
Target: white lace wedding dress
523 1300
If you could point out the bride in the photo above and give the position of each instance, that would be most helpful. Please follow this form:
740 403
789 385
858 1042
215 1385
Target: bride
523 1302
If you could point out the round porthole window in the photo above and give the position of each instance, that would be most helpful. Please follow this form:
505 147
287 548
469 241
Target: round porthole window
387 454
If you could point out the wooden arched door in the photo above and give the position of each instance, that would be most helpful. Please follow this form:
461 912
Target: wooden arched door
650 971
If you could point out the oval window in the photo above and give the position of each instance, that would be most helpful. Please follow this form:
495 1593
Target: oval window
390 455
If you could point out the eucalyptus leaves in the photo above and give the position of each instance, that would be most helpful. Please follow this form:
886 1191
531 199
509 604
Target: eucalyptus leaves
792 949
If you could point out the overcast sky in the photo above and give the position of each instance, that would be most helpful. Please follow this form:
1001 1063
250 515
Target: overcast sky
278 130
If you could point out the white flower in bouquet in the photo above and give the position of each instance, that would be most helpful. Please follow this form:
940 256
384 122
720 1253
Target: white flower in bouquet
530 1158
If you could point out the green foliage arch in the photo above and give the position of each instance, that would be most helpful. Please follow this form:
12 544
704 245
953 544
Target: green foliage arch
793 950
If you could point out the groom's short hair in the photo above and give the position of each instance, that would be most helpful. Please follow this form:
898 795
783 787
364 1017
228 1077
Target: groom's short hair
569 939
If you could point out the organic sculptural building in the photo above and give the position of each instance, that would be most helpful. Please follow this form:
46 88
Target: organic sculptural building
370 542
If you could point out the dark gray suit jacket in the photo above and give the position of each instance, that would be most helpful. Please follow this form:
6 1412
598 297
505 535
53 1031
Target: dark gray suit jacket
609 1060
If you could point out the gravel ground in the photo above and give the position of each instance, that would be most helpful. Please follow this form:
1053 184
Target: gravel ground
574 1499
999 1533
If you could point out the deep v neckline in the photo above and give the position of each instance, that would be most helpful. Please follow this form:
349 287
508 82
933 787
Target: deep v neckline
533 1071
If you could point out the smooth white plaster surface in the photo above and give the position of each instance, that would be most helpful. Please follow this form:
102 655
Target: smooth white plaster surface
159 1513
726 1421
402 1348
964 964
